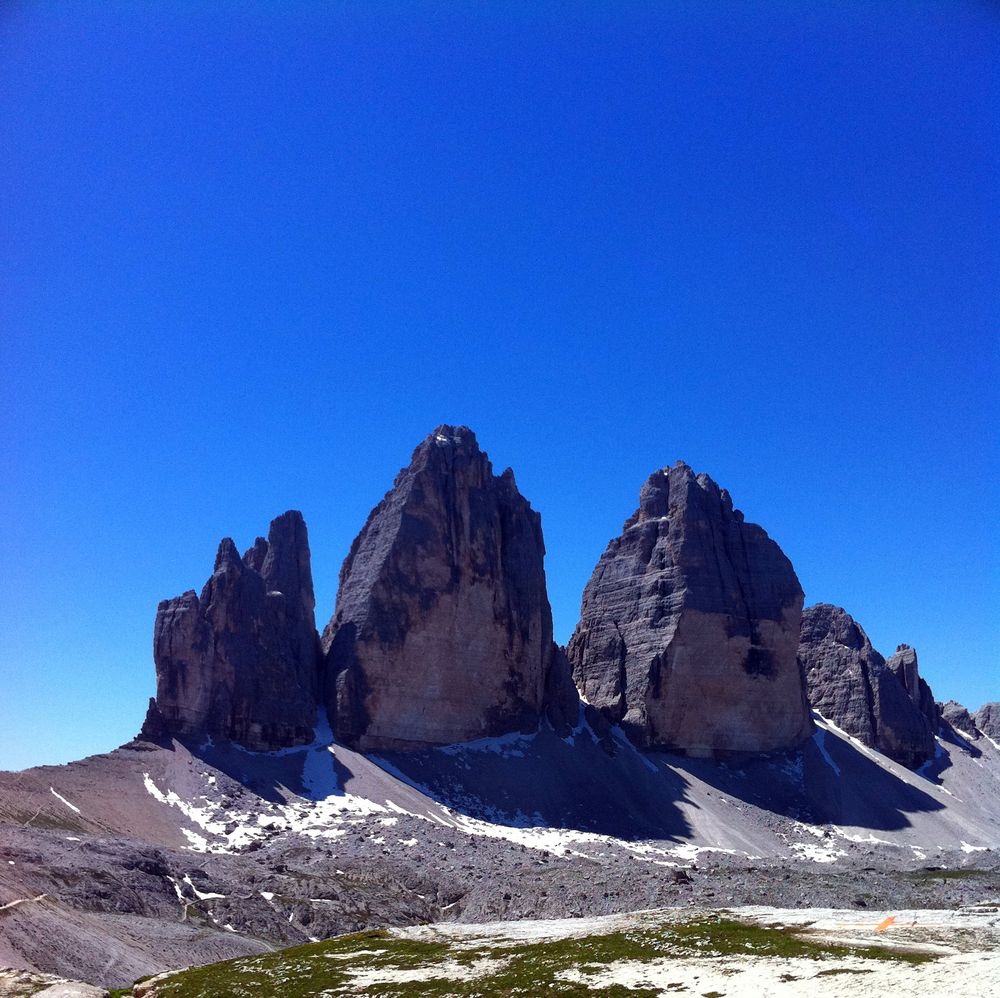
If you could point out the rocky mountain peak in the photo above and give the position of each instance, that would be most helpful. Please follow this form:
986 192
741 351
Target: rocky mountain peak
689 626
240 661
903 664
442 630
850 684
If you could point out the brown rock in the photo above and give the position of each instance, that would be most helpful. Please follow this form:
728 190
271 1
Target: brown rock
690 624
442 631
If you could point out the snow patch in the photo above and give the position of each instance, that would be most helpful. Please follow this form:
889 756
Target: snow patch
72 807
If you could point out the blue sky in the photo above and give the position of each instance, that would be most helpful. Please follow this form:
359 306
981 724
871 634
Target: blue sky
252 254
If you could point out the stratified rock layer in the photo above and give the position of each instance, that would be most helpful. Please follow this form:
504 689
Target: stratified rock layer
442 631
690 624
240 661
850 684
987 719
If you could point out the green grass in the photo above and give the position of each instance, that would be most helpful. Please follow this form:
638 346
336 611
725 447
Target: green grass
930 875
520 969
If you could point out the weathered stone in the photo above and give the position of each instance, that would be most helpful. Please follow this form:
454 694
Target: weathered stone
690 624
903 665
987 719
442 631
850 685
959 718
562 701
240 661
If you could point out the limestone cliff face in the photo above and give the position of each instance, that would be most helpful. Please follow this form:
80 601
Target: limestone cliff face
850 684
240 660
690 625
442 630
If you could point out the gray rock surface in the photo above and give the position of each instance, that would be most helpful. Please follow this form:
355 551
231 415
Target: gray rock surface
987 719
850 684
442 631
903 664
240 660
689 626
959 718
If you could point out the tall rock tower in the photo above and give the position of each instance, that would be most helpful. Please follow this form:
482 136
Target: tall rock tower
240 661
690 624
442 630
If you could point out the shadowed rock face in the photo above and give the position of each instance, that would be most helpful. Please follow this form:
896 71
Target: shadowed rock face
240 661
987 719
959 718
850 684
442 631
903 665
690 624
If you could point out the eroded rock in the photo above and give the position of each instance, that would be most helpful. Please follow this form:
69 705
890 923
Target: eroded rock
959 718
442 631
987 719
850 684
690 624
240 660
903 665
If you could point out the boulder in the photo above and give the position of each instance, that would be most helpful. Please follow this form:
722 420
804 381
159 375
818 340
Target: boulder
850 684
442 630
689 627
240 660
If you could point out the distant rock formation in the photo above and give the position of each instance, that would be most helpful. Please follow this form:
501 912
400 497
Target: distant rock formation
442 631
850 684
240 661
690 624
987 719
959 718
903 665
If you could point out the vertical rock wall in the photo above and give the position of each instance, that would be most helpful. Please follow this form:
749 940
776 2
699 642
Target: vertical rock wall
442 630
690 625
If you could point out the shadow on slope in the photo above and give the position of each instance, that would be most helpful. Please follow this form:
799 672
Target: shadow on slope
827 780
542 780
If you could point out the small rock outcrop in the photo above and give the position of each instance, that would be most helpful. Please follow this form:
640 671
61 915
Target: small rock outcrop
903 664
690 625
240 660
442 630
987 719
850 684
959 718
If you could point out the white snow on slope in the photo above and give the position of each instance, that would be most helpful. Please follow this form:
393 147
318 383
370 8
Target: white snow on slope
72 807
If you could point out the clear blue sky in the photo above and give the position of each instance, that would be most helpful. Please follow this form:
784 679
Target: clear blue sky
249 259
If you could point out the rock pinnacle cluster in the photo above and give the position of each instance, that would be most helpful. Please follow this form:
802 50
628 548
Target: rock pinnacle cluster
692 636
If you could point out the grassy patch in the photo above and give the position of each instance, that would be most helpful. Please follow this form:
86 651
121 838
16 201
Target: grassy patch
523 969
924 876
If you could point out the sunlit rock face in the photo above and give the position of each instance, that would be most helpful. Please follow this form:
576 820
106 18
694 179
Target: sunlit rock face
850 684
240 660
690 625
442 630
